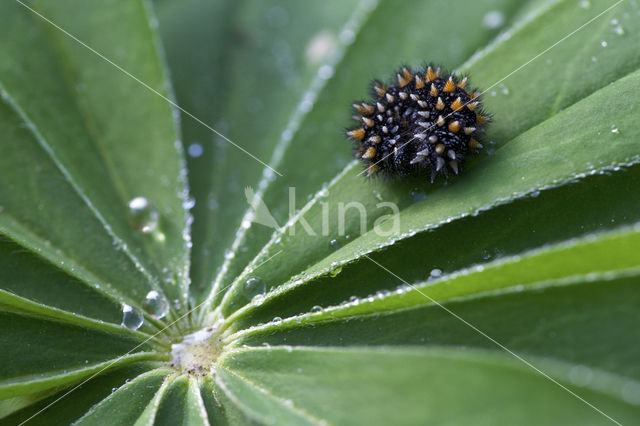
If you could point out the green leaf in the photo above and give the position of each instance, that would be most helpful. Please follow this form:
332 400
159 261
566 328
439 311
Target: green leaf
609 252
106 122
409 386
258 83
133 396
524 270
181 404
259 405
62 291
505 230
53 364
93 396
556 320
561 137
301 153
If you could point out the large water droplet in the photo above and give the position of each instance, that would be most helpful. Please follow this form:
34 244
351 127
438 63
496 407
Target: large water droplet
316 309
143 216
435 273
156 304
253 287
131 317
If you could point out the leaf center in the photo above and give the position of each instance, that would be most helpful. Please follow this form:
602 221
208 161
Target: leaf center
197 352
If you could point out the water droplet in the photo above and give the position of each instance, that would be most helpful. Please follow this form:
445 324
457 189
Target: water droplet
188 203
603 43
334 245
630 392
277 320
143 216
319 47
177 304
286 135
131 317
584 4
353 298
493 20
257 300
614 129
347 36
316 309
418 195
435 273
325 72
195 150
156 304
580 375
253 287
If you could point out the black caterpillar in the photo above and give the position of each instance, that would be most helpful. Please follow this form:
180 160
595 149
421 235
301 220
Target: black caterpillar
424 124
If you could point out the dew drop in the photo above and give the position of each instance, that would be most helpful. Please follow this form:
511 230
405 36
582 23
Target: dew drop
631 393
603 43
257 300
325 72
286 135
253 287
143 216
435 273
316 309
580 375
584 4
131 317
156 304
188 203
347 36
319 47
334 245
493 20
177 304
195 150
277 320
614 129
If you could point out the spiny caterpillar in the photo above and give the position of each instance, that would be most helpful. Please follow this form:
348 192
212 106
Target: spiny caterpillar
425 123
